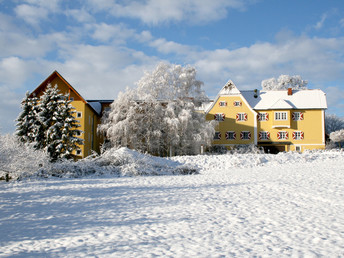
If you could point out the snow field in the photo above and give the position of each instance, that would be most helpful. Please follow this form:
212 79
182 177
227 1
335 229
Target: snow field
277 208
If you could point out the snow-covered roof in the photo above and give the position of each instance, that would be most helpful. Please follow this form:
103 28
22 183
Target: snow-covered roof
300 99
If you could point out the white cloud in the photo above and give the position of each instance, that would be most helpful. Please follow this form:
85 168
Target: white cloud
118 33
31 14
314 58
168 47
156 11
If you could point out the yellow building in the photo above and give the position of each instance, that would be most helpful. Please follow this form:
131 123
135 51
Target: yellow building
88 113
286 120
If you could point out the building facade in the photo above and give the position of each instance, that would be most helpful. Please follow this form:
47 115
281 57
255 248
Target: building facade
285 120
87 112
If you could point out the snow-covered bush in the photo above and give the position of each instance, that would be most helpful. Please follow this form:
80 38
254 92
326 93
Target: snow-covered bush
159 116
18 159
284 82
118 162
337 136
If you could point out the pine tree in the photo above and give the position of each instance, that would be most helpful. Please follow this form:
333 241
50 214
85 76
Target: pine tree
26 119
62 133
49 123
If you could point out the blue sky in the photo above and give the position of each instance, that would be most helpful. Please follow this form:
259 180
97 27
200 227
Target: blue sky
103 46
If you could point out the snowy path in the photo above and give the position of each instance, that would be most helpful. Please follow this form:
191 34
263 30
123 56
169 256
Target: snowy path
276 210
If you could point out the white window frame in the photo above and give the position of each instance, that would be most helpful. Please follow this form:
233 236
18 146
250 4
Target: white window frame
237 103
220 117
223 103
266 135
297 116
263 116
298 135
281 116
241 117
284 133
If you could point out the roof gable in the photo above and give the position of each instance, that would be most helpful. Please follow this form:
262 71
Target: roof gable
229 89
281 104
49 80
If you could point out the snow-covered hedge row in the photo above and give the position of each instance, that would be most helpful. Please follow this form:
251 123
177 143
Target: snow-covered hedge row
237 159
120 162
19 160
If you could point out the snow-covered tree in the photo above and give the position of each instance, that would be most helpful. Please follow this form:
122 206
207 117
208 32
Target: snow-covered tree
333 123
284 82
26 119
49 123
159 116
337 136
62 133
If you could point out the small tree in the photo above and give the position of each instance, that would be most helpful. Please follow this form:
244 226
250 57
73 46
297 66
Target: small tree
159 116
284 82
337 136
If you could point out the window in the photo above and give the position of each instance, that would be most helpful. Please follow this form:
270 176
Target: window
297 116
217 136
282 135
241 117
223 103
237 103
230 135
78 133
264 136
78 152
263 116
245 135
298 148
281 116
78 114
298 135
219 117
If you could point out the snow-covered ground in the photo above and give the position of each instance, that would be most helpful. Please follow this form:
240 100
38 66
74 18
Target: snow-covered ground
238 205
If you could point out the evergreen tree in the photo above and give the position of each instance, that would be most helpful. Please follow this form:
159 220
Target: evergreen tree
49 123
62 133
26 119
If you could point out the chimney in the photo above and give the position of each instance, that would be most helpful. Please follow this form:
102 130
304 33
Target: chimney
290 91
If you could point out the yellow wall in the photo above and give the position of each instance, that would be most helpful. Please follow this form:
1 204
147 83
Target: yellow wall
311 126
230 123
88 120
